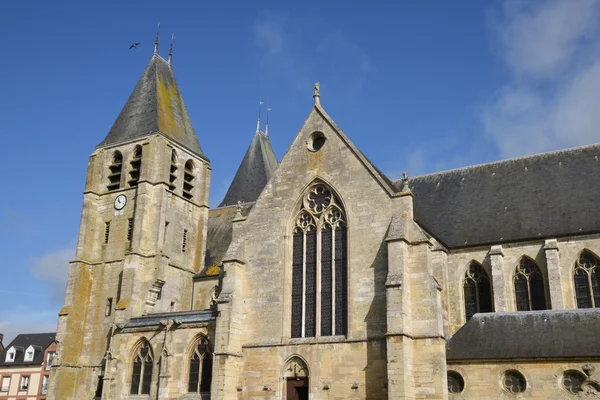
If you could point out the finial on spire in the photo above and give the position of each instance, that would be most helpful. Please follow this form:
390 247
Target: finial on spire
405 188
316 94
268 109
171 48
260 103
156 41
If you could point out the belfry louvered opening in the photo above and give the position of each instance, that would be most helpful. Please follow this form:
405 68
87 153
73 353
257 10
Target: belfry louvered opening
319 266
136 166
173 171
114 171
188 179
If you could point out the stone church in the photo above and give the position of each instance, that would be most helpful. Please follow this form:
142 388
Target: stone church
318 277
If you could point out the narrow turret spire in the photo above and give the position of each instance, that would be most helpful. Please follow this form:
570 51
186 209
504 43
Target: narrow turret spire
171 48
316 94
156 41
267 126
260 103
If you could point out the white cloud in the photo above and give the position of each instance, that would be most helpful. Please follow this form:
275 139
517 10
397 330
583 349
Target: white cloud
22 319
553 95
53 268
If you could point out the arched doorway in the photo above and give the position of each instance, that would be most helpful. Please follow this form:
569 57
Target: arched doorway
296 379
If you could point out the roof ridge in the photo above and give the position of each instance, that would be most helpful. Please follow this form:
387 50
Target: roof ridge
504 161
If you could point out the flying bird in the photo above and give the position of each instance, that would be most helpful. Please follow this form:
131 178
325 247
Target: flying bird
133 46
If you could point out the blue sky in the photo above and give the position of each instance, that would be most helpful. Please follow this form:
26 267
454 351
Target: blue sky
417 86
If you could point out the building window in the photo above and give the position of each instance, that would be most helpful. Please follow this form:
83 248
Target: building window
514 382
24 382
10 354
456 383
29 353
184 241
44 389
188 179
136 166
529 286
5 384
173 171
114 171
572 381
320 229
109 305
587 280
142 370
477 291
106 231
49 359
200 368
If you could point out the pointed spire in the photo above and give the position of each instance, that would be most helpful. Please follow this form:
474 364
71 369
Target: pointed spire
316 94
260 103
156 41
171 49
268 109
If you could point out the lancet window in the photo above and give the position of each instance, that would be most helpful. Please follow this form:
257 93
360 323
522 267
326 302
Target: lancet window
142 369
114 171
200 375
587 280
477 290
319 266
188 179
136 166
529 286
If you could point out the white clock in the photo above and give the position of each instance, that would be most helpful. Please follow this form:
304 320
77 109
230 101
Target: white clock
120 202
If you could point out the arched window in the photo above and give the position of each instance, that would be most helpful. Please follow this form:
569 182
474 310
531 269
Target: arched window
319 229
188 179
173 170
200 368
477 290
142 369
529 286
587 280
114 171
136 166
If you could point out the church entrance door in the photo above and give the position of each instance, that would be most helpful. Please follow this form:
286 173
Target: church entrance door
297 389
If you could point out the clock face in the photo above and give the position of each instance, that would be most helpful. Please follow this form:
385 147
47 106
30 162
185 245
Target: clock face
120 202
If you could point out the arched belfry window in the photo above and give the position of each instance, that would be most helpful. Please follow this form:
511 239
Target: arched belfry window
114 171
529 286
477 290
200 375
173 170
136 166
320 256
188 179
142 369
587 280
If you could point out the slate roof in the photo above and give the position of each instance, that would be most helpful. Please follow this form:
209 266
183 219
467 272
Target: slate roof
41 340
218 236
526 335
254 172
155 106
541 196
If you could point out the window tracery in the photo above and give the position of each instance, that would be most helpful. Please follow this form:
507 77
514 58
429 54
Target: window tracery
587 280
477 291
142 369
514 382
319 256
529 286
200 375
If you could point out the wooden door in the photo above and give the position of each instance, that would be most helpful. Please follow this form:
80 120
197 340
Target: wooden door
297 389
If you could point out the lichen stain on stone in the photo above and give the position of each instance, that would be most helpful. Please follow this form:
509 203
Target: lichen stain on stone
170 104
315 159
123 303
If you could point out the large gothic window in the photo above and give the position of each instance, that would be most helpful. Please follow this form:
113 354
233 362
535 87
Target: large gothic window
587 280
319 266
477 290
200 368
142 369
529 286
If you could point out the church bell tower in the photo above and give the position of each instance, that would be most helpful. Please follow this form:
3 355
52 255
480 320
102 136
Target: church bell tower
142 232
